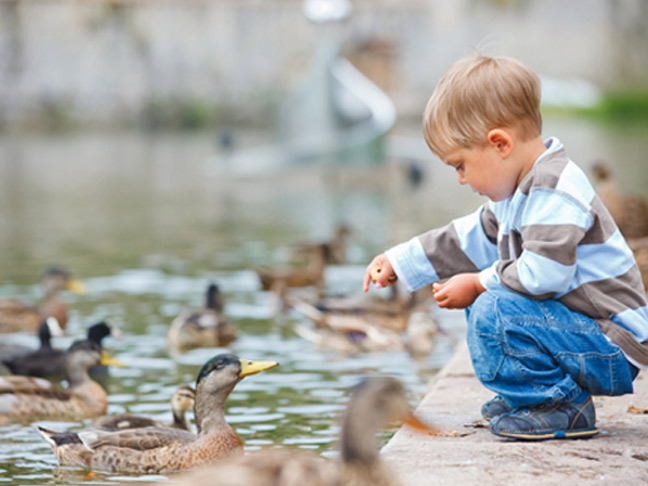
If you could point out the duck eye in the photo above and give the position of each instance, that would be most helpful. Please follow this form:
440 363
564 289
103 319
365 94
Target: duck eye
220 363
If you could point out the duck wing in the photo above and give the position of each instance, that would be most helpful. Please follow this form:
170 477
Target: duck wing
28 385
126 421
138 439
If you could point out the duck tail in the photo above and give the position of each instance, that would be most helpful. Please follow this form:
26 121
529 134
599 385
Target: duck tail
57 439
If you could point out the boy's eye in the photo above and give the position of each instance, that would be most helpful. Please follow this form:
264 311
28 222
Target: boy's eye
459 167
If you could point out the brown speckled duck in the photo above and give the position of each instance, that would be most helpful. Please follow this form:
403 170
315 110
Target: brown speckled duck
366 323
163 449
181 402
206 328
17 316
25 398
277 279
375 402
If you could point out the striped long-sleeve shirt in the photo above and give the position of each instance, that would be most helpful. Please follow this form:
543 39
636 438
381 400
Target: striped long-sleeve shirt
552 239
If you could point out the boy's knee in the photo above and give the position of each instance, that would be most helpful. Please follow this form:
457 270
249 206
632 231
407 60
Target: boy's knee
482 312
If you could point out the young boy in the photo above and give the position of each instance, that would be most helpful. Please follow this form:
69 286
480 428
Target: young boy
554 300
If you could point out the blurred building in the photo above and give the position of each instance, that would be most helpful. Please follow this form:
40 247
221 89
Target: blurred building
190 61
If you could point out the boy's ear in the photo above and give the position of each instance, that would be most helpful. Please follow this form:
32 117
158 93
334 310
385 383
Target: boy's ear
501 141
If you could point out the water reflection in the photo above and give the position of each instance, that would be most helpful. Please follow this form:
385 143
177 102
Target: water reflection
148 222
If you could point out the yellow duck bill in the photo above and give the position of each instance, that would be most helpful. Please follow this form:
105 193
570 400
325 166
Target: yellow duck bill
249 367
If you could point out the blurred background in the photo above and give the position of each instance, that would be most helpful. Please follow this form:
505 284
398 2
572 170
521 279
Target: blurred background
151 147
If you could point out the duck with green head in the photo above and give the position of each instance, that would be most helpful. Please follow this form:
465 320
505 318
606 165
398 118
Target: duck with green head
163 449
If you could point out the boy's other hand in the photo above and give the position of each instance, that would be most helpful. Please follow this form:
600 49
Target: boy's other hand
380 272
459 291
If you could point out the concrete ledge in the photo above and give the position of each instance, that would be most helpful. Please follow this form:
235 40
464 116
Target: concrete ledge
617 456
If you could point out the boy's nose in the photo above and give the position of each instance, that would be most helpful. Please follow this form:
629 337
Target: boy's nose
462 179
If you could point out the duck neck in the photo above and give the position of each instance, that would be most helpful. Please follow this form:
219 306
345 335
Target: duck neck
209 410
358 437
180 420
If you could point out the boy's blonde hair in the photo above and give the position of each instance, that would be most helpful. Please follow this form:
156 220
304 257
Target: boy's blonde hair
477 94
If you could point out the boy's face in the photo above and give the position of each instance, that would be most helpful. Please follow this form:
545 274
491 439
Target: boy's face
485 171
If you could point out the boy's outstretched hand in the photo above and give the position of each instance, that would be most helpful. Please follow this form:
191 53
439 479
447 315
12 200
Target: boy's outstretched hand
459 291
380 272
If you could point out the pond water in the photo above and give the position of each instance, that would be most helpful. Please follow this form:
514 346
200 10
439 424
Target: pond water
147 221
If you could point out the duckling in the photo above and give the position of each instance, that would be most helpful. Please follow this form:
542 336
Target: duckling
163 449
25 398
630 212
206 328
181 401
48 362
17 316
375 402
276 279
48 329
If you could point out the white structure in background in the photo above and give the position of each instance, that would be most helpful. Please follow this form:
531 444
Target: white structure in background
321 11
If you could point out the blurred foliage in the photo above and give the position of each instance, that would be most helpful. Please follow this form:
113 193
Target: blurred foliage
628 106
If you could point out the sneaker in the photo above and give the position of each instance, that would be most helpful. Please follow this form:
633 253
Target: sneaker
494 408
573 420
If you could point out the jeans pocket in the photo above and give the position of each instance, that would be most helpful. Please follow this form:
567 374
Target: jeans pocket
600 374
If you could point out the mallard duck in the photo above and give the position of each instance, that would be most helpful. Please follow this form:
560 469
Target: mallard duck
25 398
366 323
181 401
18 316
48 362
334 249
630 212
277 279
48 329
206 328
375 403
163 449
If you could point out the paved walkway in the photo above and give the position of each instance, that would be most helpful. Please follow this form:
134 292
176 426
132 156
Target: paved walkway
617 456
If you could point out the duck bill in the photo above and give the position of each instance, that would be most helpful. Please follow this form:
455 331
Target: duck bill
76 286
251 367
413 421
108 360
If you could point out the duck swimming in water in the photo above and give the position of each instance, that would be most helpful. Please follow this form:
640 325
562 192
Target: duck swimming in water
376 402
206 328
17 316
25 398
163 449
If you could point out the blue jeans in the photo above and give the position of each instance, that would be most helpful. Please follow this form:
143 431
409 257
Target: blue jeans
534 352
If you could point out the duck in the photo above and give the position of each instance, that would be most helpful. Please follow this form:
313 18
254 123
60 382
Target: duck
629 211
182 400
152 450
205 328
17 316
278 278
375 402
27 398
334 249
47 361
48 329
368 323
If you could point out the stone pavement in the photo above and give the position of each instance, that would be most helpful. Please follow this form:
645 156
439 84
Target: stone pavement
618 455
